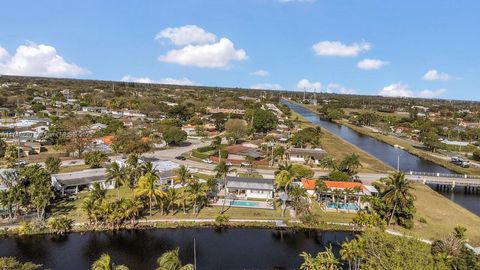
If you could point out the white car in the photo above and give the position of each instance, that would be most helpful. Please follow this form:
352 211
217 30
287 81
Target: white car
207 161
228 163
245 164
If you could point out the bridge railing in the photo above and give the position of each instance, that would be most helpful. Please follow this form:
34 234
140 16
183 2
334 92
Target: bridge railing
445 175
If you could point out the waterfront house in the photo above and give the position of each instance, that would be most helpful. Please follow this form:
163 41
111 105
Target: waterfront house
250 188
341 195
67 183
306 155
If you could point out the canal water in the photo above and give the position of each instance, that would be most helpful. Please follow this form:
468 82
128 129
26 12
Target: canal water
390 155
139 249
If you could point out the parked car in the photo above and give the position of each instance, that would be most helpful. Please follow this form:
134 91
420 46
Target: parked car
21 163
245 164
207 161
228 163
180 158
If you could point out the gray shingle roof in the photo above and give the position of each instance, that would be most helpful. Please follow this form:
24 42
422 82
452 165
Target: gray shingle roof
250 183
80 178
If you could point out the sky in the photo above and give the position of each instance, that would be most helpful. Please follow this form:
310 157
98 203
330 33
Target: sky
413 48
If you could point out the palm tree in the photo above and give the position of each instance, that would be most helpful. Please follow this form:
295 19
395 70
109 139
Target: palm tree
88 205
196 191
171 197
117 175
147 186
59 225
222 170
397 192
183 174
298 197
171 261
283 179
350 164
324 260
134 169
351 252
105 263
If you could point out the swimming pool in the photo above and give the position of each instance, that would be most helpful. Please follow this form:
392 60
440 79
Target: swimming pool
343 206
244 203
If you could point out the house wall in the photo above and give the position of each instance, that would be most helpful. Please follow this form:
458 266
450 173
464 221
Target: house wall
259 194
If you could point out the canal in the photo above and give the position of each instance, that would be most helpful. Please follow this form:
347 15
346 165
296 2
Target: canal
390 155
139 249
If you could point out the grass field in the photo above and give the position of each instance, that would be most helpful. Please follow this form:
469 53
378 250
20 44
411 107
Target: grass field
442 215
339 148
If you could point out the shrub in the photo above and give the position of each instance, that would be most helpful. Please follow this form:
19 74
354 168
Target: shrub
205 148
338 176
222 219
200 155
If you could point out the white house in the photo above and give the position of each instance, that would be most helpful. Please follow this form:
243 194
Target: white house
305 155
255 188
76 181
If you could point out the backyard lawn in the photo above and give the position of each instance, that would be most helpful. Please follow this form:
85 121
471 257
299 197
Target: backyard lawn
441 215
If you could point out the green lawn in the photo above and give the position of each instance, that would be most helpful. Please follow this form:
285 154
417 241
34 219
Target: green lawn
442 215
339 149
73 168
72 210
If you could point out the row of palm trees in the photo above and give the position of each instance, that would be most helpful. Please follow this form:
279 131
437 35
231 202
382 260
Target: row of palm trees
148 193
169 260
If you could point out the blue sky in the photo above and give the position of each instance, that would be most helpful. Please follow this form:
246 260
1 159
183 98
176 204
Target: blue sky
408 48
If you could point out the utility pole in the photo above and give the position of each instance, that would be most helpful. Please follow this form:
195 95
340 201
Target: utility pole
18 136
194 254
398 162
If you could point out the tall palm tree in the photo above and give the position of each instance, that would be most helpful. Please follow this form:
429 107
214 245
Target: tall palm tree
171 197
351 252
183 174
397 192
298 197
171 261
105 263
222 170
117 175
147 186
283 179
197 191
350 164
324 260
134 169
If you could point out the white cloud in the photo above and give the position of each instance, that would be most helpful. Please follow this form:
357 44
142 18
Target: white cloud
185 35
336 48
338 88
214 55
369 64
435 75
431 93
261 73
396 90
167 80
305 84
270 86
403 90
37 60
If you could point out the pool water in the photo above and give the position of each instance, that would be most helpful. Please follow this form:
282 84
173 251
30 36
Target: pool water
244 203
343 206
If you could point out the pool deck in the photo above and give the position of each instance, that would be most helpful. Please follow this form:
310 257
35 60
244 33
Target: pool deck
259 204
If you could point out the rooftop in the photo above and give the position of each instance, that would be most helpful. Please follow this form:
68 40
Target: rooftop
250 183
